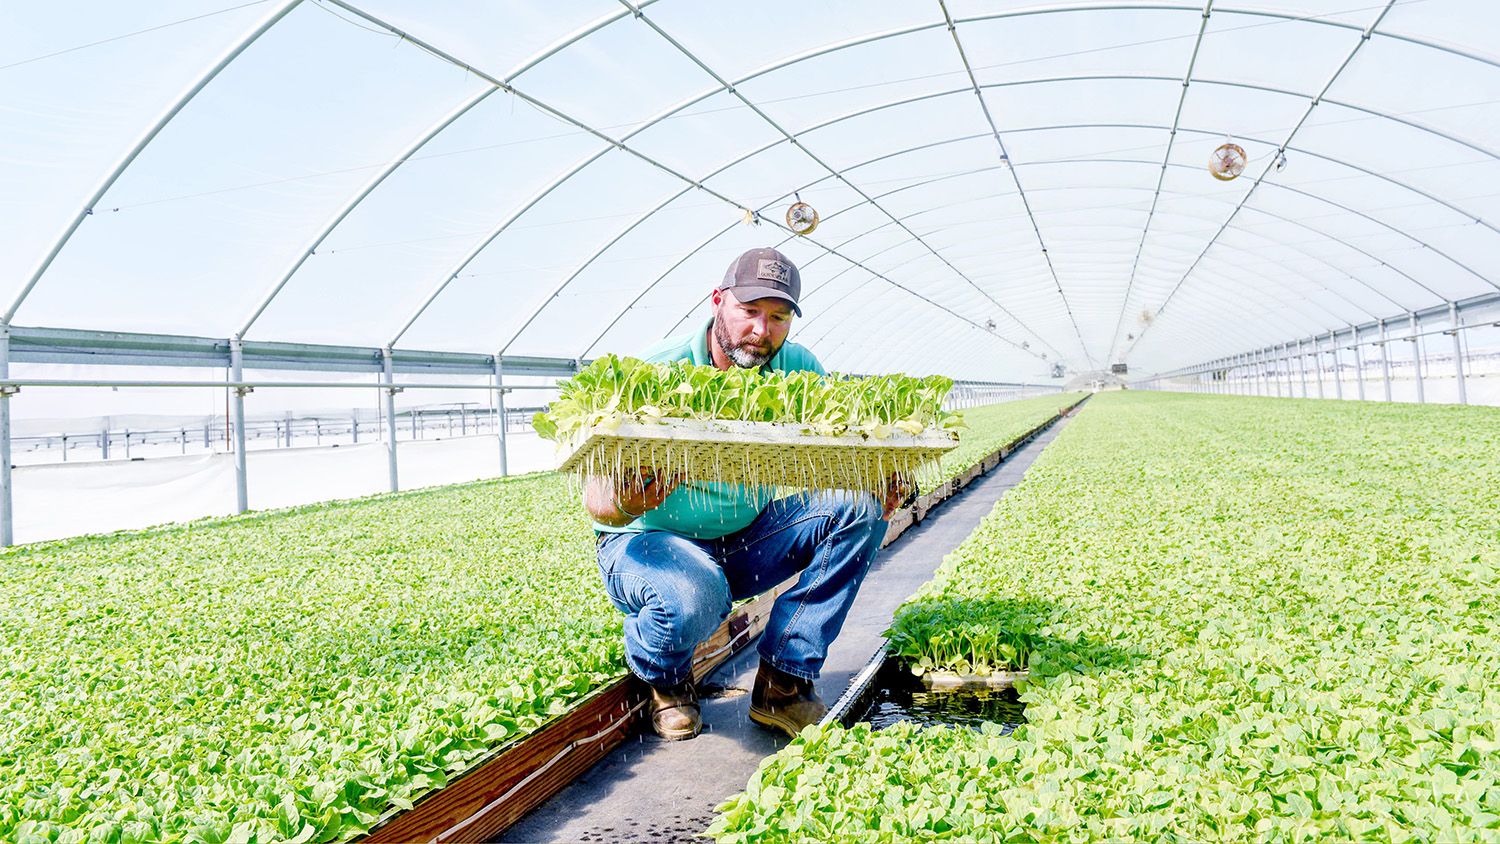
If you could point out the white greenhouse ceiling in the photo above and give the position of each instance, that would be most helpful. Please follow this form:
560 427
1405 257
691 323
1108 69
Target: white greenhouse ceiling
1002 185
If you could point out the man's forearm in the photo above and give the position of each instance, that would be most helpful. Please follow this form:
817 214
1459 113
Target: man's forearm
599 500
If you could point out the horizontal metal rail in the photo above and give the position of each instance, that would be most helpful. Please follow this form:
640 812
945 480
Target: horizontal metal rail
1482 306
399 385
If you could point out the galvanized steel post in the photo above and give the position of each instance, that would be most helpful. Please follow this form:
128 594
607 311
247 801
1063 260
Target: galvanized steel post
1359 362
7 502
1302 368
1416 359
1317 359
500 405
1458 352
237 422
1385 360
1338 365
390 416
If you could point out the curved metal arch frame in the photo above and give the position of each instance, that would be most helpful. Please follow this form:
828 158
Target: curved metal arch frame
862 234
829 218
924 257
353 202
202 81
1309 317
1335 268
837 174
935 95
1237 286
414 146
1232 287
282 9
605 20
824 50
1228 284
1321 234
989 118
1270 279
1265 171
1269 89
1325 200
1187 81
794 139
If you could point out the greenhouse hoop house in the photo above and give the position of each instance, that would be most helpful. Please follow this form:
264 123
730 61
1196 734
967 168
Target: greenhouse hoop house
296 295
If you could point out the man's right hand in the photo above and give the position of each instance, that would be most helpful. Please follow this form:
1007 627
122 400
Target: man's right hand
618 503
640 493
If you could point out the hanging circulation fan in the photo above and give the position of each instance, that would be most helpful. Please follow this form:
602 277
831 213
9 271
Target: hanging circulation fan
801 218
1228 162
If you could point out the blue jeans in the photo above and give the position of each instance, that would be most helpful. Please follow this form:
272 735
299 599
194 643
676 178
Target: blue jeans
675 591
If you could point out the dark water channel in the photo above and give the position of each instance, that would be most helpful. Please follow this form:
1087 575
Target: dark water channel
895 695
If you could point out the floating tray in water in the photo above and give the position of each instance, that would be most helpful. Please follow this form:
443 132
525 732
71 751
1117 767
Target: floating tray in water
763 454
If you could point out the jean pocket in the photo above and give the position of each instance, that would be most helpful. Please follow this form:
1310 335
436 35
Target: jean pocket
606 552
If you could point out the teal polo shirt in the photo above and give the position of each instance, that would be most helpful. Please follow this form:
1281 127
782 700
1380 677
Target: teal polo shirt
709 510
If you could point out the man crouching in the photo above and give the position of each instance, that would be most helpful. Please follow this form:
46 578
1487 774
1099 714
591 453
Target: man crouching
674 557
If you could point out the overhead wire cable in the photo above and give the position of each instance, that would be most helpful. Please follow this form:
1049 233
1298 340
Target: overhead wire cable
841 176
127 35
612 144
1020 191
1307 113
1161 176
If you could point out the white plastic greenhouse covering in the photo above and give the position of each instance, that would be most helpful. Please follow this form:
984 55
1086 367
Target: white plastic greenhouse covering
562 179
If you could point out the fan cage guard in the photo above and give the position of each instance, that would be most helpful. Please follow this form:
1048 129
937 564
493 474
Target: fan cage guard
1228 162
758 454
801 218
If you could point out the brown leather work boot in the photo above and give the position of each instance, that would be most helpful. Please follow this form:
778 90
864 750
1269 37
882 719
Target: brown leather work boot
784 701
674 711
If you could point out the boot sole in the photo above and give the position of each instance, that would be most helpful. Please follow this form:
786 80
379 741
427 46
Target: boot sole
773 722
677 735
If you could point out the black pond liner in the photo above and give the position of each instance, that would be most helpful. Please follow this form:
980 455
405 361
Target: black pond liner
886 693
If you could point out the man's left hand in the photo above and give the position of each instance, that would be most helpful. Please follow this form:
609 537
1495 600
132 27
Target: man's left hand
898 493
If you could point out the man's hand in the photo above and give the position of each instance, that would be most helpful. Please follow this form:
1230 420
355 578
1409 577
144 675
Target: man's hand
619 503
899 492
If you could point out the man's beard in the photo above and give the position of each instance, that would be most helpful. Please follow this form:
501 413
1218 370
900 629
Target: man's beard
740 356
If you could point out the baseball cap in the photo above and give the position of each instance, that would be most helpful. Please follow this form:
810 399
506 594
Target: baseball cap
764 273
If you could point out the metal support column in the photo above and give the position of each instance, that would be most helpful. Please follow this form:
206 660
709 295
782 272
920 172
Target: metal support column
1416 359
500 418
391 390
1302 368
1458 352
1385 360
237 421
1338 365
1317 359
1359 362
7 502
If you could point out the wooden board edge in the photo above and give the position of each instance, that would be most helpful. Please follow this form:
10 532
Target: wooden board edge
473 803
487 799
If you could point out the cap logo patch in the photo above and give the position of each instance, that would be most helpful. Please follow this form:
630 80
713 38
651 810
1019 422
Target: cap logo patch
770 269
